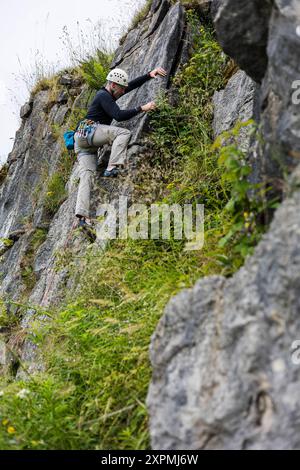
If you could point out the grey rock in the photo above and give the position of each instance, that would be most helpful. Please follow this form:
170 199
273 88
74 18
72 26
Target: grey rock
215 5
239 101
6 358
3 352
156 41
25 110
66 80
155 5
60 115
77 82
63 97
262 37
223 374
161 48
242 29
16 234
234 103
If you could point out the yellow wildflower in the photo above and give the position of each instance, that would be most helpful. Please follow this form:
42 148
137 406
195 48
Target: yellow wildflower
11 430
5 422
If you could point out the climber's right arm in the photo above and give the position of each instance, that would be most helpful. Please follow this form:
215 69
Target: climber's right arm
113 110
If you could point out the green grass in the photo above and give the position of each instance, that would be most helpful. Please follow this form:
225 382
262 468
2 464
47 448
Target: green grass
55 193
93 393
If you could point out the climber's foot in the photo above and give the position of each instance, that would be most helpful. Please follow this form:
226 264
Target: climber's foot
85 223
111 173
86 226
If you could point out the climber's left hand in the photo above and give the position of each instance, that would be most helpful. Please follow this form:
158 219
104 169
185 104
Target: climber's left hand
158 71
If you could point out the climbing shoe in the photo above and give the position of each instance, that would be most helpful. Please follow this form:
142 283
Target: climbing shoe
112 173
84 224
87 229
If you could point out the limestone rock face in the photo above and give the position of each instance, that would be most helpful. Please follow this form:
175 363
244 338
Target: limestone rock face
235 103
280 92
224 376
263 37
240 101
157 41
25 110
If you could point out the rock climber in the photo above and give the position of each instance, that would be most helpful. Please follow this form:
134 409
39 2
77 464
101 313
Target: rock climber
95 130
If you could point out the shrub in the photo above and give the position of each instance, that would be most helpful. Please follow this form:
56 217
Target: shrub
95 69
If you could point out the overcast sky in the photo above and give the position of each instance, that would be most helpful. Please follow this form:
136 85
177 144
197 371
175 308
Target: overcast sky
32 30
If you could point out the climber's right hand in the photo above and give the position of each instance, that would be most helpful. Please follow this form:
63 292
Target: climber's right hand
149 106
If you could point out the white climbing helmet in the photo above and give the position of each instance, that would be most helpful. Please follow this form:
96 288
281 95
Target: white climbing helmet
118 76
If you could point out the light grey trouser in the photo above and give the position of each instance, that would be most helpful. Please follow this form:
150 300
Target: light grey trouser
87 158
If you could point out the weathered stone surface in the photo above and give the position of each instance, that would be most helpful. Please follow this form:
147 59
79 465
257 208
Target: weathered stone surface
3 352
223 373
34 157
6 358
66 80
280 108
239 101
234 103
157 46
63 97
142 31
242 29
215 5
263 37
25 110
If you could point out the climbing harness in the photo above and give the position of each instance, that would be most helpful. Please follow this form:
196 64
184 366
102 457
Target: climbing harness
85 130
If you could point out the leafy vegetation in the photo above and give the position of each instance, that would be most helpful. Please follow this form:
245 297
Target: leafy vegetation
95 69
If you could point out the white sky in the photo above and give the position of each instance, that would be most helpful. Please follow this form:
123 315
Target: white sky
31 27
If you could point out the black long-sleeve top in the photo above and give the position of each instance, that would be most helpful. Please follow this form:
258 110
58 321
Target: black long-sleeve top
104 108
